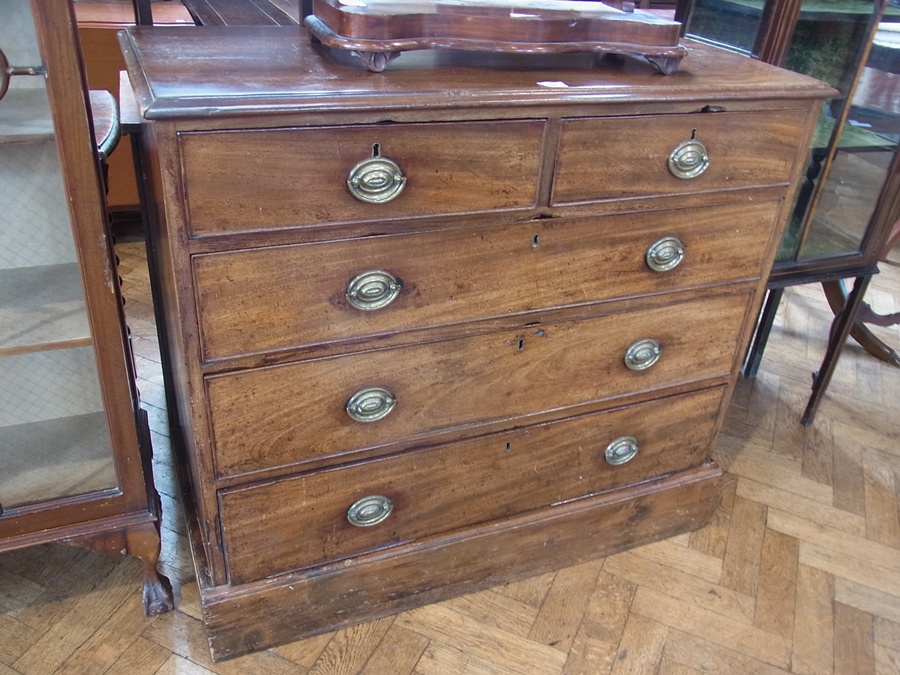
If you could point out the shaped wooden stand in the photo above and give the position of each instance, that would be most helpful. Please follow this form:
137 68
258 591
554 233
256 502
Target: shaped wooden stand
377 31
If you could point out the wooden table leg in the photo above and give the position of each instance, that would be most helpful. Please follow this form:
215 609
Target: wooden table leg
835 293
840 329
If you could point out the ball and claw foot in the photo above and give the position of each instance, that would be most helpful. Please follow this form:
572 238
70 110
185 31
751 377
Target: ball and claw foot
157 593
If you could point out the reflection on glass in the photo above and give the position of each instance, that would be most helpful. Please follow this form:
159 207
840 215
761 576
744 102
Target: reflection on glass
856 139
865 144
53 428
54 440
733 23
828 39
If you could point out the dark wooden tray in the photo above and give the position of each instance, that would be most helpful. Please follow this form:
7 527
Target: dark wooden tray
377 31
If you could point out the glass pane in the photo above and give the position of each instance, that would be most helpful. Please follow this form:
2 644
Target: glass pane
54 440
866 147
732 23
828 40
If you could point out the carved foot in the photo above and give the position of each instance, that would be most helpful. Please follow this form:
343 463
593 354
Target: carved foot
157 592
665 64
376 61
143 543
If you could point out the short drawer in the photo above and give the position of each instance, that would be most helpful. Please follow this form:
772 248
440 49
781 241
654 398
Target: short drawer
277 178
622 157
298 296
306 520
282 415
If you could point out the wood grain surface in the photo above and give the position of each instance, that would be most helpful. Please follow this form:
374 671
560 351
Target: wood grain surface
800 531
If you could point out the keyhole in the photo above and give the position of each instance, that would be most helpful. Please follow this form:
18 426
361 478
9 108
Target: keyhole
694 135
535 241
508 448
521 344
376 149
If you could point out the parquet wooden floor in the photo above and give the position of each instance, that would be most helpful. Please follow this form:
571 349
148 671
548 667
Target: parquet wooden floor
799 572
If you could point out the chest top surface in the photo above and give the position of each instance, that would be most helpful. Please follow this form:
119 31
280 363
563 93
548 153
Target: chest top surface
187 72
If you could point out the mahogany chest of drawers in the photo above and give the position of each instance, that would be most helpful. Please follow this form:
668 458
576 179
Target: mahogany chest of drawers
456 323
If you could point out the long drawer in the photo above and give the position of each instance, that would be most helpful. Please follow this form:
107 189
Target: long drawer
621 157
346 511
282 415
276 178
296 296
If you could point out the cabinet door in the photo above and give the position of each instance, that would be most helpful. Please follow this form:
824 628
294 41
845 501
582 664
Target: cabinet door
55 432
853 167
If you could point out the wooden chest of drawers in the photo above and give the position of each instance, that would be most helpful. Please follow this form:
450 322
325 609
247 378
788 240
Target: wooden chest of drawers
453 324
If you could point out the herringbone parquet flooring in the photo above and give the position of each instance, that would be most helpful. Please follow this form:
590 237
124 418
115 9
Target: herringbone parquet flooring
798 573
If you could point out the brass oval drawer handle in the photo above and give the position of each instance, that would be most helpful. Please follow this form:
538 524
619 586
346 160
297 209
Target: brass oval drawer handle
643 354
665 254
688 159
369 511
371 404
376 180
373 289
621 450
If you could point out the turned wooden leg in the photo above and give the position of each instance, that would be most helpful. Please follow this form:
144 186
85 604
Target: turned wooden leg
143 542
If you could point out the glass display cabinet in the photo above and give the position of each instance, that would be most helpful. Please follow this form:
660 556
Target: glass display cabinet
74 443
847 213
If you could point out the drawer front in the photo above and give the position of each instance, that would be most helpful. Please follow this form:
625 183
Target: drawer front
298 296
427 493
283 415
616 158
256 180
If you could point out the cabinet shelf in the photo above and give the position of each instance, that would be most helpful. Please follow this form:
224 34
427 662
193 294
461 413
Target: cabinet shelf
75 449
25 116
56 458
43 308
